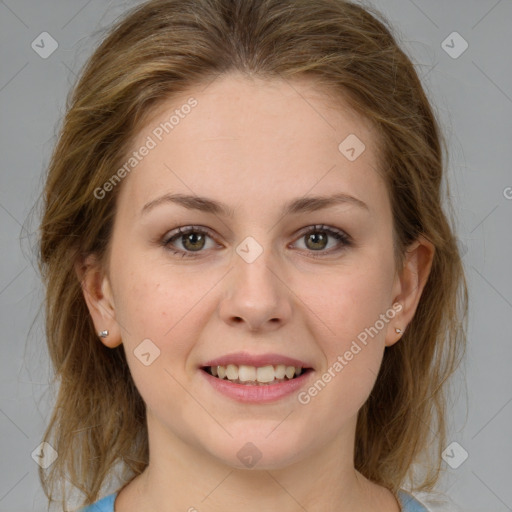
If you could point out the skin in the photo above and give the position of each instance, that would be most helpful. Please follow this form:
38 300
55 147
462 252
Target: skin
253 145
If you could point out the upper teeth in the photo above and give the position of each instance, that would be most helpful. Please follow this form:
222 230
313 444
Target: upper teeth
263 374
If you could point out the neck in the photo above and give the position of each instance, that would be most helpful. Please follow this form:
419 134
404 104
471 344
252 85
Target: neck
180 477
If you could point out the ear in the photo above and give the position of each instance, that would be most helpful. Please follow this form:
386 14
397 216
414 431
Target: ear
409 284
97 293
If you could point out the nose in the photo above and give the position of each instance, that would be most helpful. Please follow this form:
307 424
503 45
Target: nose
256 296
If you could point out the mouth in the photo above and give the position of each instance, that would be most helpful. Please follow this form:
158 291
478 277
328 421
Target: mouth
256 375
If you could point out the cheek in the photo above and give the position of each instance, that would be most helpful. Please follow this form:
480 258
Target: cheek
348 300
350 325
163 305
150 297
157 313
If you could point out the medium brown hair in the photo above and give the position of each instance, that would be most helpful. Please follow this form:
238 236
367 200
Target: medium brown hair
162 48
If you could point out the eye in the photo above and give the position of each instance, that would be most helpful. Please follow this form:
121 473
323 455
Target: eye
316 239
192 238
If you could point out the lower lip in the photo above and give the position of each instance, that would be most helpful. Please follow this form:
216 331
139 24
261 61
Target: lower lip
255 393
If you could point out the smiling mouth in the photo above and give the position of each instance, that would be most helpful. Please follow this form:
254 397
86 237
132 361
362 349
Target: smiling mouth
254 375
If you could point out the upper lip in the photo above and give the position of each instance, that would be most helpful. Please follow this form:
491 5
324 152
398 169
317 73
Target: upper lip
239 358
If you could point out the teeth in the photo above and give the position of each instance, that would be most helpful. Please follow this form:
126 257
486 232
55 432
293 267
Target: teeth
263 374
246 373
280 371
232 372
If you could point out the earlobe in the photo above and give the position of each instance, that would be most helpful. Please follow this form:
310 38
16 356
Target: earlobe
98 296
410 283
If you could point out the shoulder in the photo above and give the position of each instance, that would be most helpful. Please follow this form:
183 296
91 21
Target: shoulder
409 503
105 504
426 502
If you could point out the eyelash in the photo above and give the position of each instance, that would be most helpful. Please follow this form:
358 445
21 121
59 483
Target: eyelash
342 237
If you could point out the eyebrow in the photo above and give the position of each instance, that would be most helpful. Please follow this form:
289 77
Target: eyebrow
300 205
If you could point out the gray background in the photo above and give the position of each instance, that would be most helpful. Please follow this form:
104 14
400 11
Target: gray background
473 97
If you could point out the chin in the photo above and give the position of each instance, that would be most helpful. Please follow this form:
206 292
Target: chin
258 453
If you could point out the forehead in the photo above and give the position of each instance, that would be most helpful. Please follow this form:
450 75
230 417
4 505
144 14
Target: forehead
251 142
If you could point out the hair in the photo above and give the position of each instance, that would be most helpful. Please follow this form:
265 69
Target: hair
161 48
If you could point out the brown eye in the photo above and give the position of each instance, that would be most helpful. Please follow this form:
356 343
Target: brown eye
192 240
317 238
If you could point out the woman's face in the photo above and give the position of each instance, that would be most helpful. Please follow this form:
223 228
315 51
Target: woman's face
255 277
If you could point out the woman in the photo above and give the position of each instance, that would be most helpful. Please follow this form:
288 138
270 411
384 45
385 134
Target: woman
253 293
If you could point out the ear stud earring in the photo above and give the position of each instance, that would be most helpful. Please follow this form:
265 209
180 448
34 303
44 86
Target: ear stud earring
398 331
103 334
